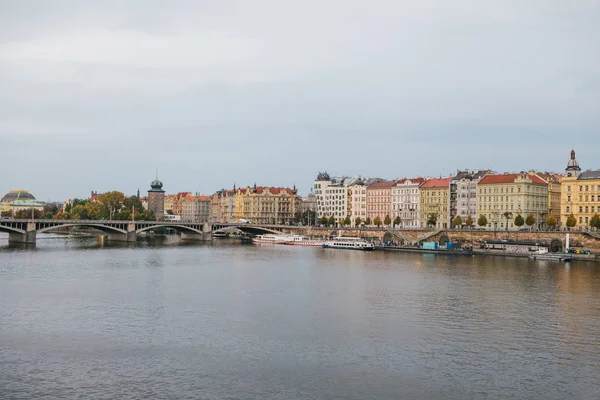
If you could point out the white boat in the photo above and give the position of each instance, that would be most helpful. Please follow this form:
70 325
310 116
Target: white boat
271 239
293 240
348 243
298 240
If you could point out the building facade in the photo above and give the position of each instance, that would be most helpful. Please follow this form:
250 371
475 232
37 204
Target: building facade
580 194
405 202
156 199
463 194
267 205
195 209
379 199
332 196
434 197
357 195
222 206
554 192
501 197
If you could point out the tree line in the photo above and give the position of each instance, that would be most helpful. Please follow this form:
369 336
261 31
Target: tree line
112 205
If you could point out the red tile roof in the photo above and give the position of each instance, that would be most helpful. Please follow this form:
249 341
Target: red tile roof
382 185
508 178
272 190
437 183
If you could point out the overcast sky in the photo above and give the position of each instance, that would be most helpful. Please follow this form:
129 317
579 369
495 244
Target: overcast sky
97 95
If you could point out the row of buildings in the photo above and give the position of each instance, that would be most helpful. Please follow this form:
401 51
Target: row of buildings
259 204
421 202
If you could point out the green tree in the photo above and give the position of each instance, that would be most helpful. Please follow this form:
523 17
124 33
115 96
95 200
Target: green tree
6 214
341 222
397 221
111 203
387 221
26 214
377 221
457 221
469 221
347 221
331 221
519 221
323 220
432 220
357 221
595 221
571 221
482 221
530 220
551 221
368 221
61 215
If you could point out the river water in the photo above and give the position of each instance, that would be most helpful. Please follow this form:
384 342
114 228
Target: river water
160 319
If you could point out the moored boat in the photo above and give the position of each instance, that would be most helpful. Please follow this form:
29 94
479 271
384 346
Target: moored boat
544 255
298 240
348 243
291 240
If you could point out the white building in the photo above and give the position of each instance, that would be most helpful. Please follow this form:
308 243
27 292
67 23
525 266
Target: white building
463 194
405 202
334 197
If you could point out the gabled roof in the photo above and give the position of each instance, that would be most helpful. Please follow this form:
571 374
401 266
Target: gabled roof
411 180
263 189
437 183
509 178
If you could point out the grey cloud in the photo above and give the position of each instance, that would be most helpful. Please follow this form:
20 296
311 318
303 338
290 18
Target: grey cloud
212 93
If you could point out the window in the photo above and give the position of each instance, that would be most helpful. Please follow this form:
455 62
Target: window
580 209
568 209
568 188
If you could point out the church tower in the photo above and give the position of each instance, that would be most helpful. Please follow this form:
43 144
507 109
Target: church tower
572 169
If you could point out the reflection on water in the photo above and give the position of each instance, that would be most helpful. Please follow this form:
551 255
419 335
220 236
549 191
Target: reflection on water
163 318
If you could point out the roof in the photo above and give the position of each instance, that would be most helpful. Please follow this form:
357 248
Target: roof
410 181
549 177
509 178
17 195
27 203
437 183
471 175
589 175
382 185
263 189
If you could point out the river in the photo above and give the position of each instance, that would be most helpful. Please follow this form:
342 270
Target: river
162 319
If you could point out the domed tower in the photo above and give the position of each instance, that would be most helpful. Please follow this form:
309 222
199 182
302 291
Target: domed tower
156 199
572 169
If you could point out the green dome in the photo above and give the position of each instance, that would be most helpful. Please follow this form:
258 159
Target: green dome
17 195
156 184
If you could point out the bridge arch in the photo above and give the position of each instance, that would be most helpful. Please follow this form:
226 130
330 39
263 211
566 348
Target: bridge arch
251 229
10 229
179 228
100 227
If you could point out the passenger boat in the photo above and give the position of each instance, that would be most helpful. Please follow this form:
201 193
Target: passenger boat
271 239
298 240
293 240
220 235
348 243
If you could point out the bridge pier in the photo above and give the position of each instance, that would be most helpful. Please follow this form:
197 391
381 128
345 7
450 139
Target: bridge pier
129 237
29 237
206 234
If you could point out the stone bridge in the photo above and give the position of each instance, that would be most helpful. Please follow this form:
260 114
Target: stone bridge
26 230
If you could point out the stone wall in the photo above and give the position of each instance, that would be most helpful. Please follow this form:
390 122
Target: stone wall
468 237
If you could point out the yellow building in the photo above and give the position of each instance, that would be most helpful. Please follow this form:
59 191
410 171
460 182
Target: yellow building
554 192
580 194
501 197
267 205
434 197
